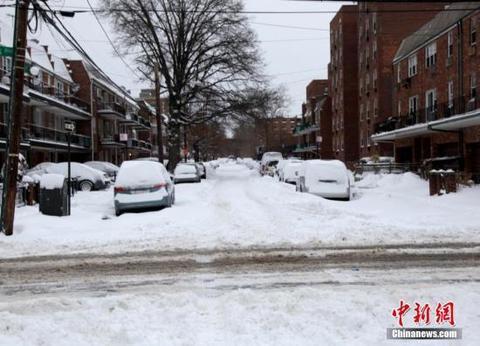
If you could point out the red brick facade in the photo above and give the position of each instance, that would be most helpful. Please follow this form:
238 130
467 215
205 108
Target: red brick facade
343 84
442 84
381 29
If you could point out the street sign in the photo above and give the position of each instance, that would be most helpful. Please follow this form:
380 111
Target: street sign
6 51
124 137
69 126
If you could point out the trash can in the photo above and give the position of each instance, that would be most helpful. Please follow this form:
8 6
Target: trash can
54 195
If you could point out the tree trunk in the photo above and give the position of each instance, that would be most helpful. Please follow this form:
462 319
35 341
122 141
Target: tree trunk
174 140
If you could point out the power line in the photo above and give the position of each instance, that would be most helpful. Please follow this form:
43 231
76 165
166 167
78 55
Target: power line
110 41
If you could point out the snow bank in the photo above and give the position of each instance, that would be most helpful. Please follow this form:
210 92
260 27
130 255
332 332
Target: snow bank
235 208
52 181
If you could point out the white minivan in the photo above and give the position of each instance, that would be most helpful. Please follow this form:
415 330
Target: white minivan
325 178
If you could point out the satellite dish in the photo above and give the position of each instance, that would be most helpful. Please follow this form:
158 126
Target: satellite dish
6 80
75 88
35 71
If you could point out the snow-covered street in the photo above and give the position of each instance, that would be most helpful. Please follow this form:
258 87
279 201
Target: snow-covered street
302 303
236 208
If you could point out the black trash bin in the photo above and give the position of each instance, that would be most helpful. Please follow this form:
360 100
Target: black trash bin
54 195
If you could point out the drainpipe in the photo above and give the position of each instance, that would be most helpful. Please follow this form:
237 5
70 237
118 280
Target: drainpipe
461 91
94 118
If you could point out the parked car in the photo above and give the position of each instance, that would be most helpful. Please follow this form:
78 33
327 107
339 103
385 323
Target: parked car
281 166
40 169
203 170
328 179
269 162
290 172
187 173
104 166
142 185
87 178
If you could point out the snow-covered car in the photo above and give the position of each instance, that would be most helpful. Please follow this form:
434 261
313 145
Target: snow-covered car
328 179
40 169
281 165
203 170
186 173
104 166
88 178
142 185
290 172
269 162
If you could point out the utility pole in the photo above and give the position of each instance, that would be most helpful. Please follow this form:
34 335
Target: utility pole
158 103
14 121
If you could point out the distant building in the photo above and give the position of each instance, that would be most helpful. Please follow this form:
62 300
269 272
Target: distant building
275 134
314 130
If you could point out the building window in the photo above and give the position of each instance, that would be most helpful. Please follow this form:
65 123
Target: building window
431 54
413 105
361 111
375 107
6 65
399 108
399 72
374 23
412 65
374 49
450 94
450 44
473 31
431 104
368 110
473 85
375 78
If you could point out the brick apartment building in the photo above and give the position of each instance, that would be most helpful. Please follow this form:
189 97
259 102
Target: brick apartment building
275 134
314 130
381 29
343 83
109 124
436 119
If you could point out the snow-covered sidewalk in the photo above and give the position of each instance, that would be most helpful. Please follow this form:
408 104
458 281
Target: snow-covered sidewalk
237 208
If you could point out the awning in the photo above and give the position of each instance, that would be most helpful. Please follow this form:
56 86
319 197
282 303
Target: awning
454 123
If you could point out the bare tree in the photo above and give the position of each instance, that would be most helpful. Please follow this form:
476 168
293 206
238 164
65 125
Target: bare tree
204 49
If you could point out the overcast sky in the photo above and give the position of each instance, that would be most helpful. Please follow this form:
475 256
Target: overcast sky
293 56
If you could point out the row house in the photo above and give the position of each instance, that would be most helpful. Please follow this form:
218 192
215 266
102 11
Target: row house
118 120
381 28
313 130
343 83
110 125
436 118
51 98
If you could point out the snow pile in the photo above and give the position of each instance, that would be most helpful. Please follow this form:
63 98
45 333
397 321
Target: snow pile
235 208
52 181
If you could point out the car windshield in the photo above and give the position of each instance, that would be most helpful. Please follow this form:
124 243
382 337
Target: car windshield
327 174
140 173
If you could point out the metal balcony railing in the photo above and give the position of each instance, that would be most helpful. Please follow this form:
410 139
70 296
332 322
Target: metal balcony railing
40 133
61 96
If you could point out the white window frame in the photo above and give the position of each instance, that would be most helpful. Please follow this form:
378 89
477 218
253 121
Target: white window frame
450 92
412 65
431 55
473 31
413 105
430 107
473 85
450 44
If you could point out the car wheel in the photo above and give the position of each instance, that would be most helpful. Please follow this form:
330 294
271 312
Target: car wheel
85 185
118 212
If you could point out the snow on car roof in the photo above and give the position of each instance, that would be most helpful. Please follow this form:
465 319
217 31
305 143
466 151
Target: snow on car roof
140 173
